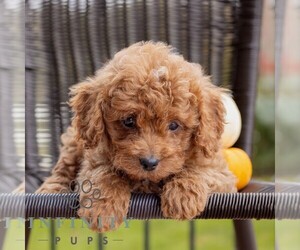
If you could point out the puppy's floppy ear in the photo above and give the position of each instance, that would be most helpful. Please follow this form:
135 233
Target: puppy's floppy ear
211 117
86 103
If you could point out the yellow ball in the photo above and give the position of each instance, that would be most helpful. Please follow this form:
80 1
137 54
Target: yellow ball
240 164
233 122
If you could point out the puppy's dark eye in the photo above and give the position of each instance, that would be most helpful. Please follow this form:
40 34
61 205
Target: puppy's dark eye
173 126
129 122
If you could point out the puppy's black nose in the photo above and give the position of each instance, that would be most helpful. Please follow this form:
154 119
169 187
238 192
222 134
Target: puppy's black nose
149 164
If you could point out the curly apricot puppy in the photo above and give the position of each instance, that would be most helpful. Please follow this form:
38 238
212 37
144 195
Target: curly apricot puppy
149 121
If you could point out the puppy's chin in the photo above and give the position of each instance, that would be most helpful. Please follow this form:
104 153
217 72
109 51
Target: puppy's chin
154 176
164 169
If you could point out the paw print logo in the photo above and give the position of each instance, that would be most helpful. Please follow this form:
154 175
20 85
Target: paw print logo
85 187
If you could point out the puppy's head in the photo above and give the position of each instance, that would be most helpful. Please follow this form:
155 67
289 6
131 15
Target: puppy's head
150 111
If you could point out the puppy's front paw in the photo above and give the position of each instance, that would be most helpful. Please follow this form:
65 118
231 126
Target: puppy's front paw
104 214
182 200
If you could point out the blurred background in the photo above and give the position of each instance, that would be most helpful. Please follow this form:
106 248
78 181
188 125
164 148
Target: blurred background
211 234
12 99
287 81
264 133
12 95
288 96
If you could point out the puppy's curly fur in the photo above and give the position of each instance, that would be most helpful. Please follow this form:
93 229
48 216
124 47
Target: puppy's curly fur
151 87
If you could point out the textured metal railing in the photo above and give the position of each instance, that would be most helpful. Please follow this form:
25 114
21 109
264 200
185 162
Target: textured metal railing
147 206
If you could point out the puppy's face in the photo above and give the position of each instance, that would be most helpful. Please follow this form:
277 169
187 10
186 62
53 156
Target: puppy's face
151 110
150 126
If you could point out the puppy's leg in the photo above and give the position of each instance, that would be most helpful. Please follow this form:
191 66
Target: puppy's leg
67 166
185 196
107 209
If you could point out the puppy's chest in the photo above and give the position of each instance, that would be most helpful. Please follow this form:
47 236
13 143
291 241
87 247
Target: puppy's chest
146 186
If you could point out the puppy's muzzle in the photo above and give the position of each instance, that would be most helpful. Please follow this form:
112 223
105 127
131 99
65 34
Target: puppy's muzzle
150 163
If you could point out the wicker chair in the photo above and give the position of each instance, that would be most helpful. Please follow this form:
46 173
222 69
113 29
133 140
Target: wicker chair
68 40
